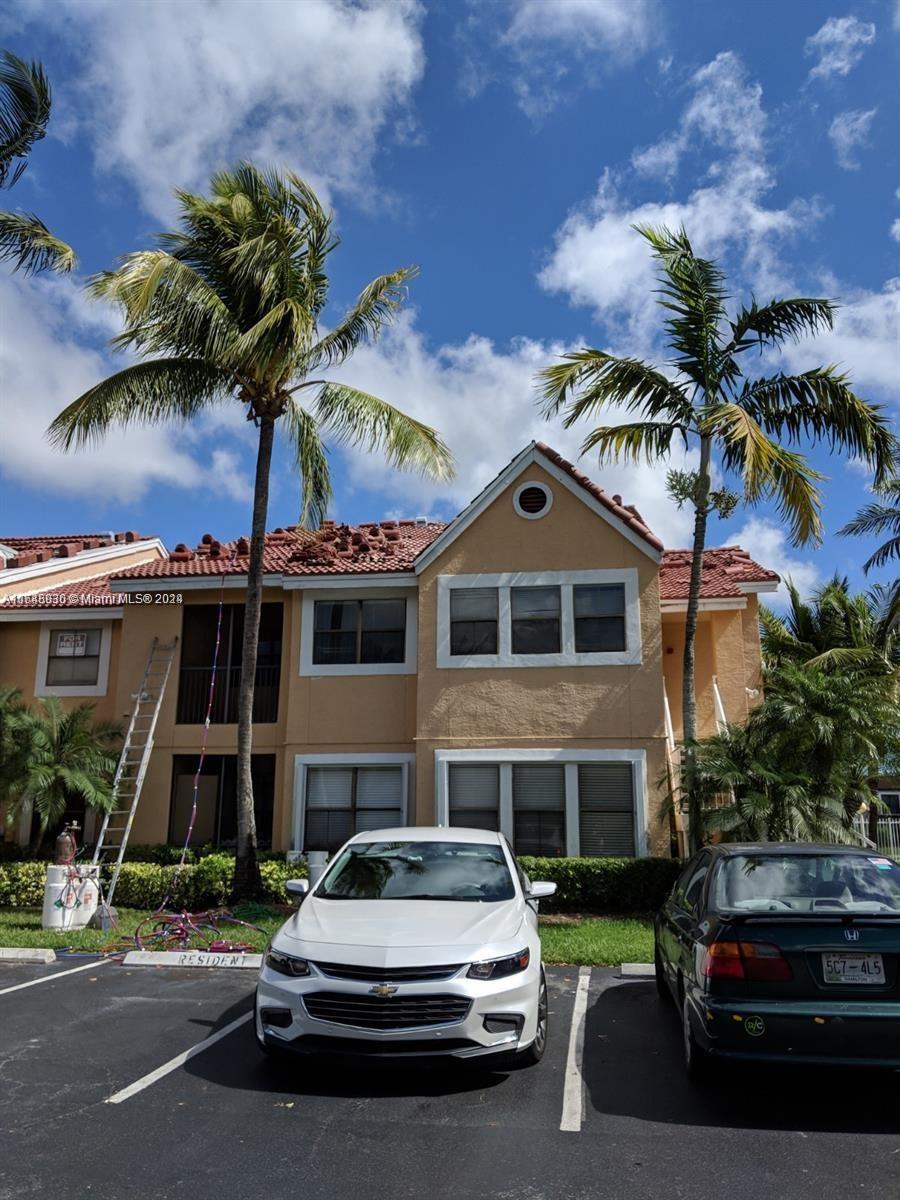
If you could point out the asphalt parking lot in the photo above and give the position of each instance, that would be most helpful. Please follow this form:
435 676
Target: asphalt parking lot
228 1123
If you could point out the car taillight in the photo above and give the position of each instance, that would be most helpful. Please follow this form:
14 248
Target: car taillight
755 962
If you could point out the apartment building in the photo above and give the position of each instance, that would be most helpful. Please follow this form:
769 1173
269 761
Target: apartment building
518 668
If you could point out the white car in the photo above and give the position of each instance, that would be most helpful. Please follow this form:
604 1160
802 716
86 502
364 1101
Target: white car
413 942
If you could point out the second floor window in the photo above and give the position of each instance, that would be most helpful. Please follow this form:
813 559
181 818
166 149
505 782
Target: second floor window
599 617
198 648
74 658
359 631
535 620
473 621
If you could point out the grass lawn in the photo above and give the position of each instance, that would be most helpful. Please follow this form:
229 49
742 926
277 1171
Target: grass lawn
576 940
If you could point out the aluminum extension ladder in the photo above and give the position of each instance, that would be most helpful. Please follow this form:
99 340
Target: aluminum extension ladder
132 765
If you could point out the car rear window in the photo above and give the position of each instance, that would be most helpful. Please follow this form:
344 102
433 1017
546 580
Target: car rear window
808 883
463 871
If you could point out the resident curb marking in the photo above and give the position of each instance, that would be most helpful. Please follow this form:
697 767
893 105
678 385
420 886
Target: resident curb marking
191 958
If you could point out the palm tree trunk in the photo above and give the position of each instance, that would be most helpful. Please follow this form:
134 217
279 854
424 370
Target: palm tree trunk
688 691
246 869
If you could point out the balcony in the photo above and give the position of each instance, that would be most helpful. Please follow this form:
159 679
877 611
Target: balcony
193 695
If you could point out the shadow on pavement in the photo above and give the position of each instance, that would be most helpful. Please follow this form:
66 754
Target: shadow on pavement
633 1068
237 1062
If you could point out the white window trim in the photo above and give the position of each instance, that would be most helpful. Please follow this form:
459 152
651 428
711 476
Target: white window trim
505 759
42 688
307 623
566 580
302 763
532 483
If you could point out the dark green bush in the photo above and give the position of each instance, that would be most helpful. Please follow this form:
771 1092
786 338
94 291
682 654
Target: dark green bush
22 884
604 885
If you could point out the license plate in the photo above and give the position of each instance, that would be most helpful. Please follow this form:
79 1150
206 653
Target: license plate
865 969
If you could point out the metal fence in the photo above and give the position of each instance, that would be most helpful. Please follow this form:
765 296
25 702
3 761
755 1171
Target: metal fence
888 833
193 695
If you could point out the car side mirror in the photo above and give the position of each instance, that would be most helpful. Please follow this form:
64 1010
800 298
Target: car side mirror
540 891
297 887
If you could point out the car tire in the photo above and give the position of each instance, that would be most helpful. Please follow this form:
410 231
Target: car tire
532 1055
698 1062
662 984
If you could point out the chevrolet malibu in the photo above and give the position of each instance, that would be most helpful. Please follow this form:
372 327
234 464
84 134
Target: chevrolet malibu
784 953
413 942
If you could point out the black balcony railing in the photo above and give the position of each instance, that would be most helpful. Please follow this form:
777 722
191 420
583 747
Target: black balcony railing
193 695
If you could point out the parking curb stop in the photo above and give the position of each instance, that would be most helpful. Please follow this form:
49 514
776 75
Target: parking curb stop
23 954
192 958
637 970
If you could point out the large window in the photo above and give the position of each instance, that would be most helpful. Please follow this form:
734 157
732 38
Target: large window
535 620
216 819
599 617
539 619
473 621
200 628
74 657
475 796
539 808
359 631
344 800
550 801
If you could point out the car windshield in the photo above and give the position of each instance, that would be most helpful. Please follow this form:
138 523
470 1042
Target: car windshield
418 871
808 883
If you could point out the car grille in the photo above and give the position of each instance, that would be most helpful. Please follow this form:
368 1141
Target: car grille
386 1012
387 974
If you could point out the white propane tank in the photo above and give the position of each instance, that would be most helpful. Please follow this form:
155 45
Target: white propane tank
71 895
316 860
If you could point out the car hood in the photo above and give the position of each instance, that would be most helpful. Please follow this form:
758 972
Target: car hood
385 931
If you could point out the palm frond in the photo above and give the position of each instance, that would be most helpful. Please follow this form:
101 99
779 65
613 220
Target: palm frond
378 304
148 393
779 320
820 404
633 442
312 464
875 519
602 379
359 419
24 113
27 242
768 469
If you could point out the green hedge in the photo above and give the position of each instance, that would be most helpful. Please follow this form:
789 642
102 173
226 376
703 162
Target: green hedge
604 885
144 885
601 885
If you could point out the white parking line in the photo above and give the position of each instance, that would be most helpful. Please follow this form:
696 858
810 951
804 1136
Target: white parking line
573 1090
91 966
178 1061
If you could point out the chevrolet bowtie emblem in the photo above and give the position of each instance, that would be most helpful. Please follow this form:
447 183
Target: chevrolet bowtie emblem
382 989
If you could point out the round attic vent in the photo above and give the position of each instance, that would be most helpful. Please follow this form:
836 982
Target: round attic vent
532 500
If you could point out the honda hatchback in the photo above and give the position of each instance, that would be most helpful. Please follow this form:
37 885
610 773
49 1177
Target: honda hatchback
785 953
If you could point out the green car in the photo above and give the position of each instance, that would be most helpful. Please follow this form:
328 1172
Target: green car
784 953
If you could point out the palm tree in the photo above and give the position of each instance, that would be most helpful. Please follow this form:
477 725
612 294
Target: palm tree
68 755
13 746
24 113
227 310
879 518
703 399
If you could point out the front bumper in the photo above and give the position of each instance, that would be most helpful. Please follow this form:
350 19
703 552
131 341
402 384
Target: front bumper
828 1033
513 1000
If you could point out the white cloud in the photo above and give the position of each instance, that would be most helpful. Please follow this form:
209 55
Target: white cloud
482 399
173 91
768 544
895 230
544 50
848 132
838 45
46 361
598 259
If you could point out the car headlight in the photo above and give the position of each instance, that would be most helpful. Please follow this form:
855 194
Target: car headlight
286 964
497 968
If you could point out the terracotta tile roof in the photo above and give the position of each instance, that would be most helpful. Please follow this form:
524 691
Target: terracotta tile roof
374 548
95 592
724 569
43 547
626 513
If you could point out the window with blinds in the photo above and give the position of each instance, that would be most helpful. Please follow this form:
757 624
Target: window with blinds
606 809
342 801
475 795
539 808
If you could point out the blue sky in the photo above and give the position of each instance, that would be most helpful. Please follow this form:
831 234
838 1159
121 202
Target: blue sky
504 148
